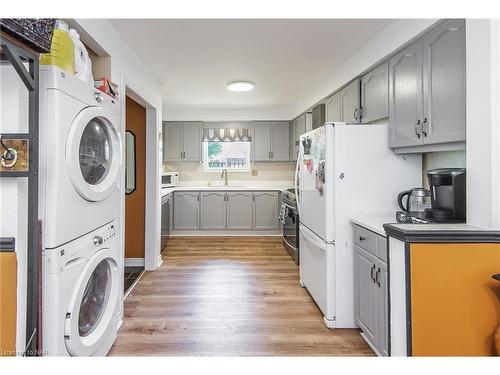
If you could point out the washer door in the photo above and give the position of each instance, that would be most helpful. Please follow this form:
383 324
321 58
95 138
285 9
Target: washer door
93 305
93 154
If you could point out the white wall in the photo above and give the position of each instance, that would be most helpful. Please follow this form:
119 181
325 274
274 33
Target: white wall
231 114
127 70
483 123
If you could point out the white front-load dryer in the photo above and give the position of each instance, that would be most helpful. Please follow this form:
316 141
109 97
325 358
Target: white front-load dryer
81 296
80 157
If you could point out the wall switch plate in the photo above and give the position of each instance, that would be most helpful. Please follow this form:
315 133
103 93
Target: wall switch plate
255 172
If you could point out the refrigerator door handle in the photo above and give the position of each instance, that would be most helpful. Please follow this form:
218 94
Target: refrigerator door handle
297 197
319 245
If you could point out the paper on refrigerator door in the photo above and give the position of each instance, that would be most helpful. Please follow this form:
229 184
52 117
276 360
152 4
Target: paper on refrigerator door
314 155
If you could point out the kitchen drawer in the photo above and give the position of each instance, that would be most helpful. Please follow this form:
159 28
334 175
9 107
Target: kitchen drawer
366 239
382 248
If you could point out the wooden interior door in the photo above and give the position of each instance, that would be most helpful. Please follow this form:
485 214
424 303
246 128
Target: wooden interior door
135 200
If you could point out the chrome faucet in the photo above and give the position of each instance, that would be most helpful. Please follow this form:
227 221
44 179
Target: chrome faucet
224 176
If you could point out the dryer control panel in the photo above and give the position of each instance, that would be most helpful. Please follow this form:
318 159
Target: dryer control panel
107 233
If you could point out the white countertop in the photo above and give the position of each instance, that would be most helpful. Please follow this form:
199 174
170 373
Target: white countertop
374 223
232 186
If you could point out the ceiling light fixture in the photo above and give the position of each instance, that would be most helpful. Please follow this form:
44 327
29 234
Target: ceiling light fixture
240 86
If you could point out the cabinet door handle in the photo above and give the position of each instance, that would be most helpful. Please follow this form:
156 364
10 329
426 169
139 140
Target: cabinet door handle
356 114
424 131
417 127
376 277
371 273
361 238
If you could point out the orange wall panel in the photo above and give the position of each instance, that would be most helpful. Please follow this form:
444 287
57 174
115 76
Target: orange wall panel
8 303
455 304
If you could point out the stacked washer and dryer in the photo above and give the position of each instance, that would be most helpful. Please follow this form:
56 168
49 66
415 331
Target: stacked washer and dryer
80 207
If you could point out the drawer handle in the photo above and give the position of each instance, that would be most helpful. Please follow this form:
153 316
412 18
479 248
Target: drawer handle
361 238
371 273
376 277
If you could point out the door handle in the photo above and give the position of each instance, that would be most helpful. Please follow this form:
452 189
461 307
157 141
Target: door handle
371 273
417 127
356 114
424 124
376 277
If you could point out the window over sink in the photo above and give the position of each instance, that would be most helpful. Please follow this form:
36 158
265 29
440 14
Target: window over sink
233 156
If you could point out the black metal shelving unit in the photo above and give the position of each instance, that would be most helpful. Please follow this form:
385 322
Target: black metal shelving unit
18 56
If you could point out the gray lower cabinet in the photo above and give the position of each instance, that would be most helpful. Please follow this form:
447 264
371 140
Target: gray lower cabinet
239 210
371 289
186 210
265 210
375 94
182 141
213 210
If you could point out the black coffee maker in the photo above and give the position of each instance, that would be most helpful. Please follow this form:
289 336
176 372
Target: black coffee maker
447 186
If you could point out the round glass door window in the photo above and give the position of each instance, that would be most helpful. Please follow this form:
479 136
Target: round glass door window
95 151
94 299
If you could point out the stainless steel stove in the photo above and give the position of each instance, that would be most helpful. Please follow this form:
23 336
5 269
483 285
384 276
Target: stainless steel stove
290 223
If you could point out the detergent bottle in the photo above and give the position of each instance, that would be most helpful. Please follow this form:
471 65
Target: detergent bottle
61 50
83 65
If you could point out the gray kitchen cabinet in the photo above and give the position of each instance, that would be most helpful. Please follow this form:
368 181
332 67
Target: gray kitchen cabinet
192 141
239 210
261 141
182 141
371 288
382 308
334 107
375 94
213 210
265 210
350 102
280 141
444 83
186 210
297 128
405 97
270 141
366 293
166 221
172 141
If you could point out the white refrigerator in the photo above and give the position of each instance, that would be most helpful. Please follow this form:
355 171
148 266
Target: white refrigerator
343 171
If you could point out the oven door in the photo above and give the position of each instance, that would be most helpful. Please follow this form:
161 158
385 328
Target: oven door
290 229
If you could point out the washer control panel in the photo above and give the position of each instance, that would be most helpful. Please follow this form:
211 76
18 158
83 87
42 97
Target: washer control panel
105 235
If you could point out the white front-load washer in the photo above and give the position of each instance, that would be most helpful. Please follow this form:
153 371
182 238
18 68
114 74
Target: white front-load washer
80 294
80 157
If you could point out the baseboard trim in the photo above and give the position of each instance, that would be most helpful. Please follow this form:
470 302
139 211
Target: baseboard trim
227 233
134 262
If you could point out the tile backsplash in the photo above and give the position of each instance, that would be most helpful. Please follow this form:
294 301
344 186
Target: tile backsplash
443 159
266 171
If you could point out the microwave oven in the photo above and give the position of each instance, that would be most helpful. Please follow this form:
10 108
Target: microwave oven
169 179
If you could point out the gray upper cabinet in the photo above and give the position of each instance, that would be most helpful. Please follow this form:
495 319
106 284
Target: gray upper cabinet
375 94
366 292
280 141
350 102
405 96
265 210
186 210
213 210
172 141
334 107
444 83
297 128
270 141
239 210
182 141
192 141
261 140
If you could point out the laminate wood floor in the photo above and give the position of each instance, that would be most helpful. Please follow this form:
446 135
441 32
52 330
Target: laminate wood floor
227 296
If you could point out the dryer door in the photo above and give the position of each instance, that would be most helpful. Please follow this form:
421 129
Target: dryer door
93 154
90 317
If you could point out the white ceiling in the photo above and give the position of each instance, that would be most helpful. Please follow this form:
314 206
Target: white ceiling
195 59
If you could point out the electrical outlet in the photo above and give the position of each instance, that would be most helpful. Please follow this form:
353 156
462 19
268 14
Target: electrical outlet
255 172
